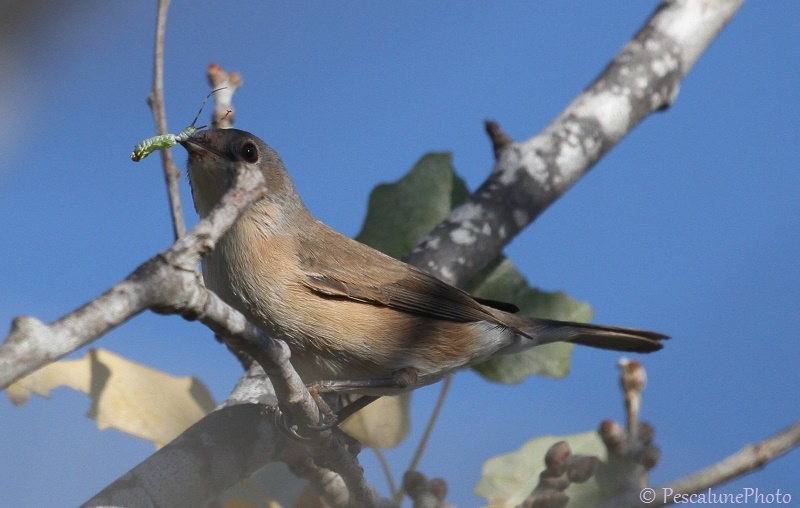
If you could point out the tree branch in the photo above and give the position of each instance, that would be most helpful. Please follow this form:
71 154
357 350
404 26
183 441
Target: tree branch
530 175
166 281
237 436
172 175
250 442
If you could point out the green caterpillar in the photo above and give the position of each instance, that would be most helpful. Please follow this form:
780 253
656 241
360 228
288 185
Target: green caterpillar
164 141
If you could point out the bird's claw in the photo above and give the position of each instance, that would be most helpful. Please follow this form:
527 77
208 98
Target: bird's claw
280 420
328 422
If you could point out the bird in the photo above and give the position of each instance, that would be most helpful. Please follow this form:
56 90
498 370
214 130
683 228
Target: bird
355 319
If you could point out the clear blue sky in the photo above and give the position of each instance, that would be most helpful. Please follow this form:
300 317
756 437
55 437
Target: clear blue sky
690 226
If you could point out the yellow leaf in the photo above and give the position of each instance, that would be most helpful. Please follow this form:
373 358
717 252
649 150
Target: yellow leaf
71 373
382 424
126 396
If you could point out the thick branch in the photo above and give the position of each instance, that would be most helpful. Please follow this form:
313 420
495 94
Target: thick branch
238 437
529 176
248 445
344 483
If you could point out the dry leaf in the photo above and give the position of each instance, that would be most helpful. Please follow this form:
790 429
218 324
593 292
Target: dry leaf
127 396
383 424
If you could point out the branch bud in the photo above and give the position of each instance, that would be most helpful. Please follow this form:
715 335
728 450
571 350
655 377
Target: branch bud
557 458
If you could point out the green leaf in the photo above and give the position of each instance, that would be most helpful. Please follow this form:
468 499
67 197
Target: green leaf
506 480
502 281
401 213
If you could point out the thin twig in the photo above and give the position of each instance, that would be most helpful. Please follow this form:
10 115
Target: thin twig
423 442
387 472
431 423
172 175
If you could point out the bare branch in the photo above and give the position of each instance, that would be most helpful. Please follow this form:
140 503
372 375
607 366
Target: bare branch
237 436
748 459
633 380
172 175
530 175
250 445
169 280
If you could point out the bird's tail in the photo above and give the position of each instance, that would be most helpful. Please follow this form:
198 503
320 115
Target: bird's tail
616 338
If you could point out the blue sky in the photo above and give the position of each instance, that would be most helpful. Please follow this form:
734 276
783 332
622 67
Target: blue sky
690 226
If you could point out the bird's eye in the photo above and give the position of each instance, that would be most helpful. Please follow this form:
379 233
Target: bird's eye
249 152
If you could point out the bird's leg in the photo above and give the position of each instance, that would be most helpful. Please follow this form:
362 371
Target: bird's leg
401 379
355 406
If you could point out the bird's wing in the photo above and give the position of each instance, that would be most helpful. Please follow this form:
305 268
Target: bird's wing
354 271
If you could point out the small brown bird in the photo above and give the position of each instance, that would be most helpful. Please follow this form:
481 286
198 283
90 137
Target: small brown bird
354 318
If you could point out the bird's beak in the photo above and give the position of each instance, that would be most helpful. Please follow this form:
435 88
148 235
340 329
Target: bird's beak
199 144
194 146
